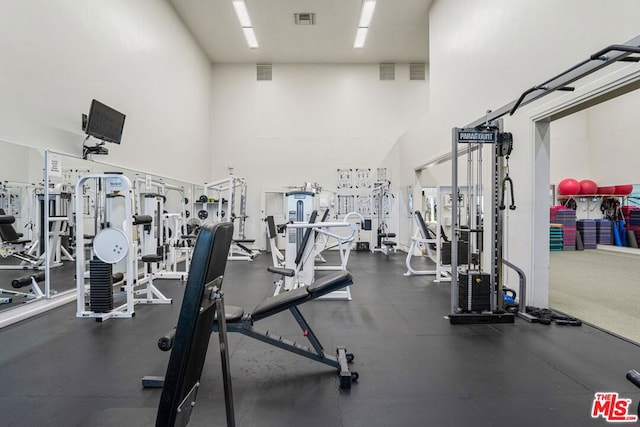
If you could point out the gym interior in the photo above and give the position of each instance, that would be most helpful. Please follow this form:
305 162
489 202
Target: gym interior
337 213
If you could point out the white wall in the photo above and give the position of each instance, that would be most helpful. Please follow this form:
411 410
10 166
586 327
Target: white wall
599 143
135 56
570 147
483 55
306 122
614 147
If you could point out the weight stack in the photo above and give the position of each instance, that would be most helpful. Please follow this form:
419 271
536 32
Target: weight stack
100 286
474 291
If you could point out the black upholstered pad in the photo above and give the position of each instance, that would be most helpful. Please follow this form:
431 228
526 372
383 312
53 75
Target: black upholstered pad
232 314
329 283
151 258
279 303
7 219
282 271
389 243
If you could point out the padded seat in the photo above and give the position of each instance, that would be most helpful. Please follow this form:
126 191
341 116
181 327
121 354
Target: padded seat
151 258
386 234
282 271
232 314
280 302
389 243
244 240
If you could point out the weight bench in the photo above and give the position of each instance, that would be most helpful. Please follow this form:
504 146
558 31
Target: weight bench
202 305
424 238
387 246
28 280
238 321
241 252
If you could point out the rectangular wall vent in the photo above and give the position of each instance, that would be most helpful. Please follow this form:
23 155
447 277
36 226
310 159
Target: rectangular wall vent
417 71
264 71
388 71
304 18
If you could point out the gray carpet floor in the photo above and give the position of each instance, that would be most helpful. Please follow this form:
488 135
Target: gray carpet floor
599 287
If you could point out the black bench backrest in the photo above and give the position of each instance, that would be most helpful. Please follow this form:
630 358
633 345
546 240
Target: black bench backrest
305 239
7 232
325 216
426 233
194 324
271 227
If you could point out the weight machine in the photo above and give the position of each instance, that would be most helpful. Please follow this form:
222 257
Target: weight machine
381 207
111 245
165 236
16 198
224 194
299 260
476 295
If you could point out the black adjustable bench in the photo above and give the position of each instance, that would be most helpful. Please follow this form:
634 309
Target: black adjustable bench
238 321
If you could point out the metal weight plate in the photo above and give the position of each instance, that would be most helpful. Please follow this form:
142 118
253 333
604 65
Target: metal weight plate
203 214
111 245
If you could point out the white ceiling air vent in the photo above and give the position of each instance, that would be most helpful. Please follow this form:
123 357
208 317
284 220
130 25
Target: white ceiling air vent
388 71
417 71
264 71
304 18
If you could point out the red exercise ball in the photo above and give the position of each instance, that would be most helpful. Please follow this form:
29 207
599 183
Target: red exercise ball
623 190
607 190
588 187
568 187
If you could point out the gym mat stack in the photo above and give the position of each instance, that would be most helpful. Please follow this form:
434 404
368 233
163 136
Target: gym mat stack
555 237
632 217
567 217
603 232
587 230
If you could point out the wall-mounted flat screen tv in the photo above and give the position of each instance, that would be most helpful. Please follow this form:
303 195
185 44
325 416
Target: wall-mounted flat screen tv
105 123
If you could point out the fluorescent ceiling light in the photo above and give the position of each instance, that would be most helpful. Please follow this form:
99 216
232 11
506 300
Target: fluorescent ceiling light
368 6
251 37
243 14
361 36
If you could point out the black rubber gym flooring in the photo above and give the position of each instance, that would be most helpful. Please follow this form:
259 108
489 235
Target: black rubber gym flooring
415 368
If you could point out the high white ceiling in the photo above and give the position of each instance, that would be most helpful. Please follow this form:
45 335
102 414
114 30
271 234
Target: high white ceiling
398 33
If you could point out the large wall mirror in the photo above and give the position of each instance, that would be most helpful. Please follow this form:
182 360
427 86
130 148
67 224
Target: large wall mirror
38 267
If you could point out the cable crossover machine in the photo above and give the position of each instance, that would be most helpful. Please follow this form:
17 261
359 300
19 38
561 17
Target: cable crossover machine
476 290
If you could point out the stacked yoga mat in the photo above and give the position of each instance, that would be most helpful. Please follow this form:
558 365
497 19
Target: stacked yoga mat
587 230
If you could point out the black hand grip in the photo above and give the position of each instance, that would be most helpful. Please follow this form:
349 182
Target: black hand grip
165 342
634 377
